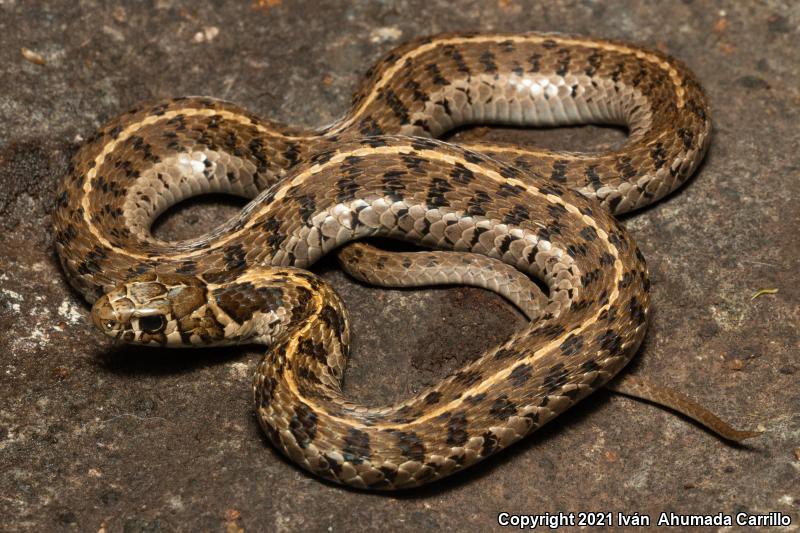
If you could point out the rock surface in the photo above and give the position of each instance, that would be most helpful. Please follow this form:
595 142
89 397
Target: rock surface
95 437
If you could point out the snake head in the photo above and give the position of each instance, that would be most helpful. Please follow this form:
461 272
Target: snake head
158 309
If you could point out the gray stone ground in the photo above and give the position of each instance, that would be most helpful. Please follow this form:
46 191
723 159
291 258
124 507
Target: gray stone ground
95 437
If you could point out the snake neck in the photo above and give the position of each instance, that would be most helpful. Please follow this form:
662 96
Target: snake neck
309 350
267 305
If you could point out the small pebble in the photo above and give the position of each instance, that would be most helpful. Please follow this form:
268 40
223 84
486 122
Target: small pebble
32 57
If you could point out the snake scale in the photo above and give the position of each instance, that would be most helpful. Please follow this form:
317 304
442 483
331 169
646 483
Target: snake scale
378 171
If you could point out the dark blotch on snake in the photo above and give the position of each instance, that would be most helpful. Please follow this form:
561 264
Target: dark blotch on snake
356 446
457 429
303 425
502 408
241 300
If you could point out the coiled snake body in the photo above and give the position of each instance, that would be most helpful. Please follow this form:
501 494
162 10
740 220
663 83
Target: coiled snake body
378 172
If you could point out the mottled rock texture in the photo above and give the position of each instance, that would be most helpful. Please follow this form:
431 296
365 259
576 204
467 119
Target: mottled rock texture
95 436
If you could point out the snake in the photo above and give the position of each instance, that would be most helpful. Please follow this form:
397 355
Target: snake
494 215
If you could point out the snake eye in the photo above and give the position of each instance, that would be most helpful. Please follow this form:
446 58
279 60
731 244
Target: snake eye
152 323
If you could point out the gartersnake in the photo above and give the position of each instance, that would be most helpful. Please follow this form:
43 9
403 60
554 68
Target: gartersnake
377 172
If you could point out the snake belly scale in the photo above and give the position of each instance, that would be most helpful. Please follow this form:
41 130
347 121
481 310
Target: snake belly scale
379 171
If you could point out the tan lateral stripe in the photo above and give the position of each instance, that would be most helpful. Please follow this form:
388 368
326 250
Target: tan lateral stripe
301 178
398 64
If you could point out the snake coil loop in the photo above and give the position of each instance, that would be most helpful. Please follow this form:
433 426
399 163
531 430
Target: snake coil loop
510 212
